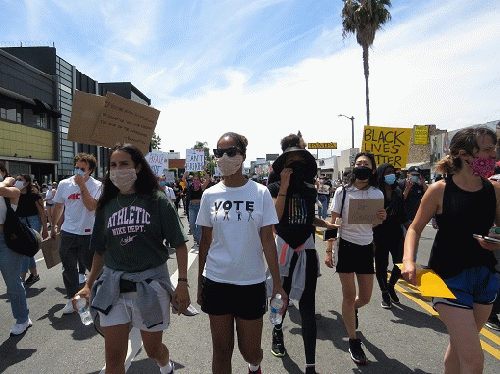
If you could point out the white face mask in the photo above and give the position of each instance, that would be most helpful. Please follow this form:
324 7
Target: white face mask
229 165
123 179
19 185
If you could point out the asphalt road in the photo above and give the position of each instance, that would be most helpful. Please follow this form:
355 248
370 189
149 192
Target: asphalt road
408 338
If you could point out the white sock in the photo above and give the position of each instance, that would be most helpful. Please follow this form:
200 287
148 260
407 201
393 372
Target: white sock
253 368
167 368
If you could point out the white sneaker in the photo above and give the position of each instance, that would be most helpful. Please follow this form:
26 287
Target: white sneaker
68 309
20 328
82 278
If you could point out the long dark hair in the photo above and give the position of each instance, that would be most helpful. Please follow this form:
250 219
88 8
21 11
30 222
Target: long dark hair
372 181
29 185
465 139
146 184
3 169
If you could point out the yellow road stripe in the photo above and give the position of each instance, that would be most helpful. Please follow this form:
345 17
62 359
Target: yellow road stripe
418 300
492 351
493 337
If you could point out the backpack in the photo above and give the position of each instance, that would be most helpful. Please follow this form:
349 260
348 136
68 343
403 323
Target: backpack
18 236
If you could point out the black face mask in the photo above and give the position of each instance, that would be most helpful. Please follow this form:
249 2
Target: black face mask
362 173
299 171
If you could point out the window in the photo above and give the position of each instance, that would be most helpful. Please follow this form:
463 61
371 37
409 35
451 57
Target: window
41 120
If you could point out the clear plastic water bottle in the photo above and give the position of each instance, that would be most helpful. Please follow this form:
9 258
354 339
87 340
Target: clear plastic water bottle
83 311
276 305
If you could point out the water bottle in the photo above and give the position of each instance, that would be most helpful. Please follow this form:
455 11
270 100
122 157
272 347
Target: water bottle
276 305
83 311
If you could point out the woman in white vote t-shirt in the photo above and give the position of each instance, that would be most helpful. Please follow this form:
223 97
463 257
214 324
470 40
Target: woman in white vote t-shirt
355 247
237 217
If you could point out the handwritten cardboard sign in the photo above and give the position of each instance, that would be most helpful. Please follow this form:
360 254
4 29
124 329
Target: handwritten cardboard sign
169 176
363 211
195 159
107 121
388 144
156 161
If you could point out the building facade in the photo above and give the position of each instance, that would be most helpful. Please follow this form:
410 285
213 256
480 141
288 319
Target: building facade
39 75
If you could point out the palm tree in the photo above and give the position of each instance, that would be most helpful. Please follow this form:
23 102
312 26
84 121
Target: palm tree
364 18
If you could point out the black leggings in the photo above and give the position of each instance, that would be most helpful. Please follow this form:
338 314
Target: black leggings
382 250
307 303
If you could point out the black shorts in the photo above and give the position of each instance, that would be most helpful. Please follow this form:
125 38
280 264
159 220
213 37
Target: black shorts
247 302
355 258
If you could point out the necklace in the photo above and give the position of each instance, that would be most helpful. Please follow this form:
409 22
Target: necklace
118 201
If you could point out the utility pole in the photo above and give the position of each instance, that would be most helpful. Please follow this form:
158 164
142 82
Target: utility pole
352 124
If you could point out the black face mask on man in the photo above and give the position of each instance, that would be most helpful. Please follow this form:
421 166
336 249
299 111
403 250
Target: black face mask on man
362 173
299 171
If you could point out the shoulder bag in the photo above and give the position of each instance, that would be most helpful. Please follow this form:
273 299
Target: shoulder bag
18 236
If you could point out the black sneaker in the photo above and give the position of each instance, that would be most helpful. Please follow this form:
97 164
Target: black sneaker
493 323
386 300
392 294
357 354
278 345
357 319
32 279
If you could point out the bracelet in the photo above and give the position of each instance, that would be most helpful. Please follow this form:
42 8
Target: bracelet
182 280
329 251
280 194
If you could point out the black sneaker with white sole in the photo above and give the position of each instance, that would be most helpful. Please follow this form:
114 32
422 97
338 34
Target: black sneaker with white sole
393 294
493 323
386 300
278 345
32 279
356 351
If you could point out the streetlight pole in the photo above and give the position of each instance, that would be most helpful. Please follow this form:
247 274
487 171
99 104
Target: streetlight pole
352 123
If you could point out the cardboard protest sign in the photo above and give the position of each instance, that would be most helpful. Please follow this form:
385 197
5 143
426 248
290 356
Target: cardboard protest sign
388 144
87 109
108 120
363 211
156 161
169 176
195 159
50 250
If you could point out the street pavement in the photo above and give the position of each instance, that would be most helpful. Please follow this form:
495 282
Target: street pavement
409 338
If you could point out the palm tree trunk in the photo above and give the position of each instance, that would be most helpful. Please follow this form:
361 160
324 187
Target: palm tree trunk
365 65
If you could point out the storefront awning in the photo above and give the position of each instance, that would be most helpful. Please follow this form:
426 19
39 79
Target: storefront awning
37 104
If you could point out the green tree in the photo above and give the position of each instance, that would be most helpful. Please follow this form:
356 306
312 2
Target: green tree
155 142
209 157
363 18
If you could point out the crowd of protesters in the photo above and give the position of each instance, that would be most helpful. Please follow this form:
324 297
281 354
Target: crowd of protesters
236 223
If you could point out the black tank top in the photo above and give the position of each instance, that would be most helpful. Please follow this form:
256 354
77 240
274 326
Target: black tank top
464 214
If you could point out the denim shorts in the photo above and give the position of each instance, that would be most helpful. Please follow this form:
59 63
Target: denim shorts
477 285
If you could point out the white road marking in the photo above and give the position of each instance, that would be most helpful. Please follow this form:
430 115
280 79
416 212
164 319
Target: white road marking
135 341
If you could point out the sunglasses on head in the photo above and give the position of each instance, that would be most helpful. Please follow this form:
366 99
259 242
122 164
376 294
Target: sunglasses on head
231 151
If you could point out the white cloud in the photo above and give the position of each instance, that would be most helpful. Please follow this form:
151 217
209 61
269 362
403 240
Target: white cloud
427 70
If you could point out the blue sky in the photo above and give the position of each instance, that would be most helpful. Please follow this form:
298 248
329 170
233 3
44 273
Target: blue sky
266 68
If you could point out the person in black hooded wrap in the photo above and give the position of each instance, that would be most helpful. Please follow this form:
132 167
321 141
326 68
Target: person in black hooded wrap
388 237
294 196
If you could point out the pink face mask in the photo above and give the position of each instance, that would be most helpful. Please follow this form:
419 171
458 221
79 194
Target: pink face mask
196 184
483 166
